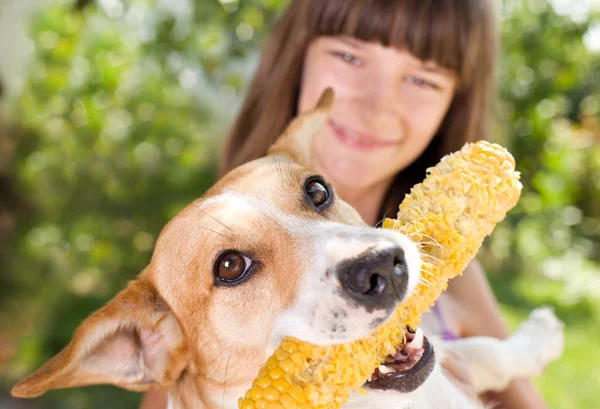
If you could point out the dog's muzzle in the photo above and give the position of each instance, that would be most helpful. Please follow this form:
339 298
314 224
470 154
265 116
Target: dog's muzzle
375 279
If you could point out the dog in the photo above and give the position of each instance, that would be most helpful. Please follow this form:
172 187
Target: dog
268 252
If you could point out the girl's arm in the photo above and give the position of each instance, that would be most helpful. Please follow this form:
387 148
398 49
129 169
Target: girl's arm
481 316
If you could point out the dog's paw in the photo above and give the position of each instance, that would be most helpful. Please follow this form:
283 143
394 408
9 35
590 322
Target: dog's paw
543 333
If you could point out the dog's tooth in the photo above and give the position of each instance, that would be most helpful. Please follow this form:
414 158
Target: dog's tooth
385 369
417 342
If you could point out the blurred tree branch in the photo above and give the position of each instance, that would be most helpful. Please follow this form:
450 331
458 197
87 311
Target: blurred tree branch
82 4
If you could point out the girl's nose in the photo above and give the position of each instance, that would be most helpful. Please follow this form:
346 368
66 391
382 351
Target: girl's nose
380 92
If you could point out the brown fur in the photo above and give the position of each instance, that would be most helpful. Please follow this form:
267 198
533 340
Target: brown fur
173 323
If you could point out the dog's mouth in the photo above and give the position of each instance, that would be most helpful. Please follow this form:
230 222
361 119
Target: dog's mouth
408 368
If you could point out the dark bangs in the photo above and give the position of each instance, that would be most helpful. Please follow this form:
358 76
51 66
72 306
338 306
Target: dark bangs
447 32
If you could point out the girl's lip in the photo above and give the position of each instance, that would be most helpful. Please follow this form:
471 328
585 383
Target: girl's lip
357 140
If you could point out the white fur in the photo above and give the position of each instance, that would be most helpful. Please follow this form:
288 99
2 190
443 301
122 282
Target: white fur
493 363
321 306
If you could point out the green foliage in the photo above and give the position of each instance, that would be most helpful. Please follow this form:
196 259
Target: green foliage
549 118
125 107
548 250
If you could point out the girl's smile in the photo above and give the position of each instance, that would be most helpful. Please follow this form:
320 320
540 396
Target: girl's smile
358 140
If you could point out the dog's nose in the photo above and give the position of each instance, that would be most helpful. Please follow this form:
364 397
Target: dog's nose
376 279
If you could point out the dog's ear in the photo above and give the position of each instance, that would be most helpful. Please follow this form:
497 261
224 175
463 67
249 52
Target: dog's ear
134 342
297 140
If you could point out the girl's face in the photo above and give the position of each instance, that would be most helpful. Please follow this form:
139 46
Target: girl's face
388 107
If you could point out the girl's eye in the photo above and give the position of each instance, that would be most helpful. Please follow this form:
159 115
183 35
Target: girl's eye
422 82
348 57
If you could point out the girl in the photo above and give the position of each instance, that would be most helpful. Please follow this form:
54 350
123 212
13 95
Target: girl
413 81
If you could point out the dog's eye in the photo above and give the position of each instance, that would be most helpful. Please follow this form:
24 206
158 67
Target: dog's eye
231 267
317 192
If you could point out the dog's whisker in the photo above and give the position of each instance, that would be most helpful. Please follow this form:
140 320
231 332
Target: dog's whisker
432 243
326 355
380 223
417 232
423 281
422 278
216 232
425 255
324 360
429 273
279 168
406 225
400 214
403 227
287 175
429 256
217 220
276 160
290 170
426 285
225 381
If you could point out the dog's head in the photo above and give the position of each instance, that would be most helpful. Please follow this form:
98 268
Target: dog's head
268 252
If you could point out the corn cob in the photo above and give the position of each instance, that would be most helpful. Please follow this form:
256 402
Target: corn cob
448 216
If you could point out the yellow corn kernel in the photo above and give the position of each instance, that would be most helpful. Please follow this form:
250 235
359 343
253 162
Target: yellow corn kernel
281 354
264 371
262 382
261 404
255 393
276 373
290 347
298 357
288 402
288 365
272 362
271 393
448 216
297 393
281 384
245 403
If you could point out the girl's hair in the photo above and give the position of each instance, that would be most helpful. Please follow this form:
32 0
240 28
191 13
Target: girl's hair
456 34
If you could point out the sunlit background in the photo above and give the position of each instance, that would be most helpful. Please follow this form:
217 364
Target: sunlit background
113 114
